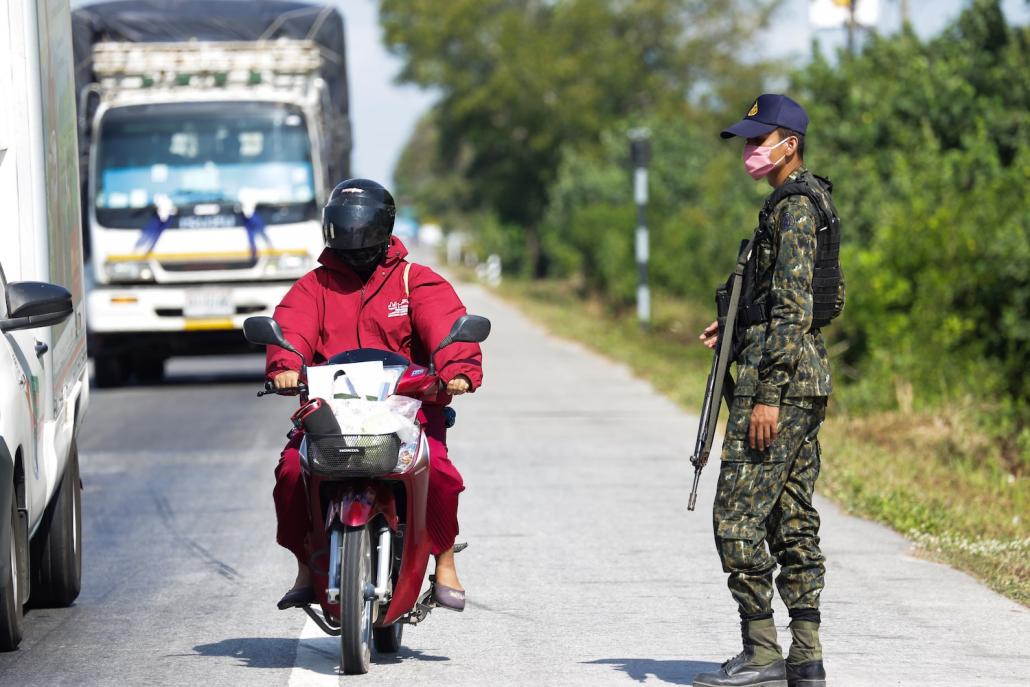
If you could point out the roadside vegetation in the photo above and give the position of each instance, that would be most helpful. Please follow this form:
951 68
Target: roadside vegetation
928 142
937 476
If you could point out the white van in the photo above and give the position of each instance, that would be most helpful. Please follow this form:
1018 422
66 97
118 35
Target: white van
43 376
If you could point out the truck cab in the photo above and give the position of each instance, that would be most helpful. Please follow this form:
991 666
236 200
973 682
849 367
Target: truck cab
207 163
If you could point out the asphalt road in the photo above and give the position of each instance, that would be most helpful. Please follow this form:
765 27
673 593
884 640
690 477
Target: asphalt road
584 567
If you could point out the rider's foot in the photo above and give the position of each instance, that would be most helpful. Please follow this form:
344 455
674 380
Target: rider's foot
303 576
447 590
446 574
451 599
302 593
298 597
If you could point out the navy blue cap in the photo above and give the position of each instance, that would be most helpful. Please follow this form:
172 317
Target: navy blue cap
769 112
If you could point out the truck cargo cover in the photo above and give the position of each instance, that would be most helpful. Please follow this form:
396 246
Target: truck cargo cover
160 21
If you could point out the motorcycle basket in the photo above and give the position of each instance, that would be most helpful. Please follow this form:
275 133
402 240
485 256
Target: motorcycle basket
352 455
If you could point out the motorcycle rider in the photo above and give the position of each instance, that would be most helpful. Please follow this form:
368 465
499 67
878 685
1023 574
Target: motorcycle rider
366 294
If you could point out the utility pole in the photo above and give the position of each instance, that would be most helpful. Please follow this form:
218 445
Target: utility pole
851 26
640 152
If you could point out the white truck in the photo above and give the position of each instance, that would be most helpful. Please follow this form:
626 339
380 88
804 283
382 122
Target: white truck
44 387
211 132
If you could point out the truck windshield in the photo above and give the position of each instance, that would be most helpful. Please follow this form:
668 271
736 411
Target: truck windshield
204 154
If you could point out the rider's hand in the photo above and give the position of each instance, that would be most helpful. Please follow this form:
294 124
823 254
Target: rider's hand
761 432
287 380
710 336
459 385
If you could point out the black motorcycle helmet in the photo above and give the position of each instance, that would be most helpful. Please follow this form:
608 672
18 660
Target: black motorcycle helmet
359 214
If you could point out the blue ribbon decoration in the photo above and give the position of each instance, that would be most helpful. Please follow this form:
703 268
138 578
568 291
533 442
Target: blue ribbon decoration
255 227
151 233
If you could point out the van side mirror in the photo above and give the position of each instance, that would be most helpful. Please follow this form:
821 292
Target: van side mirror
264 331
33 304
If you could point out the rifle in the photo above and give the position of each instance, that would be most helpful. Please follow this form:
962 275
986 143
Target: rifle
720 381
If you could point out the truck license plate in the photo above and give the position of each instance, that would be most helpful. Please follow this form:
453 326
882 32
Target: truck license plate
208 303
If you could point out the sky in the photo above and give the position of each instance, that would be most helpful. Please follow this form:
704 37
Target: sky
384 113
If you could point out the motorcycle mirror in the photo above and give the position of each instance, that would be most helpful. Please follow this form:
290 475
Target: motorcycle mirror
265 331
468 329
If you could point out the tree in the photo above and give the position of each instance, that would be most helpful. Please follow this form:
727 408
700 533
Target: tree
521 81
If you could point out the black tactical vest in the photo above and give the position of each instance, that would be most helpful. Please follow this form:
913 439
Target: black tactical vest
827 277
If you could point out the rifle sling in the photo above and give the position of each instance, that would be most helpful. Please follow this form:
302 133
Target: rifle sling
724 384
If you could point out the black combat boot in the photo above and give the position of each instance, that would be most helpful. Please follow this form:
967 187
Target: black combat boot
760 664
805 659
807 674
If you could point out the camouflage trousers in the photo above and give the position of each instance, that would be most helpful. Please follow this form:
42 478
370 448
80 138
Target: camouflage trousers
763 510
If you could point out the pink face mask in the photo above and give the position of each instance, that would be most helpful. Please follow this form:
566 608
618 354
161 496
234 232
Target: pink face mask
758 159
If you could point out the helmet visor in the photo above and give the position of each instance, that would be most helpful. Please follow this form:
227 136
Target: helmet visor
349 227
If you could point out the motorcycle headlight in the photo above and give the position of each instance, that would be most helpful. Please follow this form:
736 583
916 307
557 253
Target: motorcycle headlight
406 457
129 271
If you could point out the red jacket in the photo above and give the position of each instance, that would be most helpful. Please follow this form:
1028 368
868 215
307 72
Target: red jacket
329 311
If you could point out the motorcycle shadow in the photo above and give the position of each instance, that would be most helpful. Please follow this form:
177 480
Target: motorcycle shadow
281 652
254 652
675 672
406 654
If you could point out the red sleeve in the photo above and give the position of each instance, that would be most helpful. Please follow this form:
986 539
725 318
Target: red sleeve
434 309
300 316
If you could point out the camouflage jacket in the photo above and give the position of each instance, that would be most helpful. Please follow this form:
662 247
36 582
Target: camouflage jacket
782 358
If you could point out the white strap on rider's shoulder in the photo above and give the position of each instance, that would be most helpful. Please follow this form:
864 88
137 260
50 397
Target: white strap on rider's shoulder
407 272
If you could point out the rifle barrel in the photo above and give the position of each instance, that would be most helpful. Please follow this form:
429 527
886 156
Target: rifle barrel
692 501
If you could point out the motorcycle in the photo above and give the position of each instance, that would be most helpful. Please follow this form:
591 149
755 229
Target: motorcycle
367 497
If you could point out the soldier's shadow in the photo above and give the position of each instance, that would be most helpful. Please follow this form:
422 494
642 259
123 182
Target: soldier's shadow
675 672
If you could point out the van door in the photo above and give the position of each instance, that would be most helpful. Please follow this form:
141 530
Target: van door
28 376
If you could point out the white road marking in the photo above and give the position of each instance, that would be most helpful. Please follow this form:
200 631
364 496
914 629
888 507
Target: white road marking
318 658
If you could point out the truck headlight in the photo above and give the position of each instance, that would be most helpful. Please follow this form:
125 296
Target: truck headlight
129 271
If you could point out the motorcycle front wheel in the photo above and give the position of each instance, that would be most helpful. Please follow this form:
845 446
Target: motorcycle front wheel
355 608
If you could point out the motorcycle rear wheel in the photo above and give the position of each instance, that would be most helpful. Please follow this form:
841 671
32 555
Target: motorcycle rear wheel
388 639
355 609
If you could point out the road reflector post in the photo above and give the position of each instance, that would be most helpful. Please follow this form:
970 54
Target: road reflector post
640 153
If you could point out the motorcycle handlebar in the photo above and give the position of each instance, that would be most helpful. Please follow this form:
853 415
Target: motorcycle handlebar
301 388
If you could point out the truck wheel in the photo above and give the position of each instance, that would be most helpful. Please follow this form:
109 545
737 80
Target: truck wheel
355 609
11 593
109 370
57 546
149 369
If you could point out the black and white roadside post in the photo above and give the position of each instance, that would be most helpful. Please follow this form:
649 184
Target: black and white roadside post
640 152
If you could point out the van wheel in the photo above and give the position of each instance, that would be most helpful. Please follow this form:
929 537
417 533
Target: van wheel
11 593
109 370
57 546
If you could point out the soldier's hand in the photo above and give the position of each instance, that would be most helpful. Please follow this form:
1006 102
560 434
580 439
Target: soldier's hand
459 385
762 430
710 336
286 380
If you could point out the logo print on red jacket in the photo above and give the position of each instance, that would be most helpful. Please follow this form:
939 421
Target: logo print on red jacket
397 308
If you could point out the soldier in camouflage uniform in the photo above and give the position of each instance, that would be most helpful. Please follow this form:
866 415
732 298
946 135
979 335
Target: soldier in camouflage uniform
764 513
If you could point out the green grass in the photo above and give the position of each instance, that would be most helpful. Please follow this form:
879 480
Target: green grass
934 476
